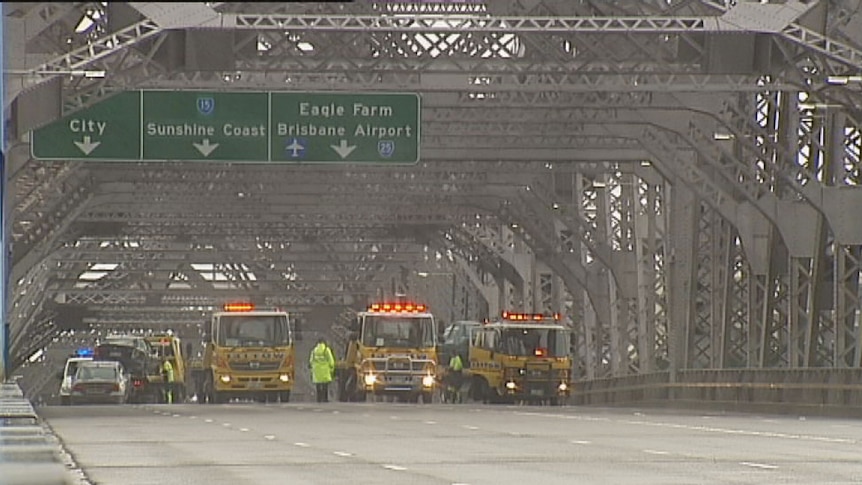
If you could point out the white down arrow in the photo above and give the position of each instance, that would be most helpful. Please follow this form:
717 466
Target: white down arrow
87 146
342 149
205 147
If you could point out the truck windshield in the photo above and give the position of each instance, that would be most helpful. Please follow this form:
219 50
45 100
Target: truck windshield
534 341
399 332
162 350
253 331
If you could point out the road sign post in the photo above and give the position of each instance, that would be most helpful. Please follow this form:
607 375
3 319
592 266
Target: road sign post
272 127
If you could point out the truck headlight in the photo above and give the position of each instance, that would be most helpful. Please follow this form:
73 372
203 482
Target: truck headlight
370 379
224 378
428 381
284 377
510 385
563 386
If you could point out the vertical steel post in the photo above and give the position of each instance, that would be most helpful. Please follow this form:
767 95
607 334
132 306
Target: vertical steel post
4 253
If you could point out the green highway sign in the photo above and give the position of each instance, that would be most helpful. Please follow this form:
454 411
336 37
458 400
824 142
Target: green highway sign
178 125
320 127
277 127
109 130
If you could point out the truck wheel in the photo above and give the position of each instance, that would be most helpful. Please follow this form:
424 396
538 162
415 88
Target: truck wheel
481 391
343 388
427 398
284 396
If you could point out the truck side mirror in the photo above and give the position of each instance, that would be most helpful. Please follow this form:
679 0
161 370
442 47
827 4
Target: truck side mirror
354 325
188 350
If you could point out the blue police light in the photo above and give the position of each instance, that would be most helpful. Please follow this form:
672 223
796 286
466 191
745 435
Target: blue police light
85 352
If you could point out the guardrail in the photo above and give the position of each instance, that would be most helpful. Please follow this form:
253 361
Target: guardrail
811 390
29 454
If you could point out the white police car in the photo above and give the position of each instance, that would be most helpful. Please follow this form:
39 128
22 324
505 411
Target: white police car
68 374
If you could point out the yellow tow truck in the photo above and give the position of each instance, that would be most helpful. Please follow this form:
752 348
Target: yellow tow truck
391 352
248 354
169 347
523 357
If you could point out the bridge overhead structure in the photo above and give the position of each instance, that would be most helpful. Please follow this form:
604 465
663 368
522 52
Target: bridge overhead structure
676 177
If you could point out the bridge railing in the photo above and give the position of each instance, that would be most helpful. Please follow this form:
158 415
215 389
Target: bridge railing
29 453
819 390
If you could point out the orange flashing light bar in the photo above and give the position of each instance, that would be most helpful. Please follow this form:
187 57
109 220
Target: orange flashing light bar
529 317
239 307
400 307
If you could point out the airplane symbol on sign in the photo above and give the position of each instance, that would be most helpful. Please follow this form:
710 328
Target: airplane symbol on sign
296 147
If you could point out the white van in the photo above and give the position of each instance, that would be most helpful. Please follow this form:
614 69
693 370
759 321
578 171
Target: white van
68 376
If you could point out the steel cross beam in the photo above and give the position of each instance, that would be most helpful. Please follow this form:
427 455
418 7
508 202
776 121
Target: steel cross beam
99 48
461 24
839 51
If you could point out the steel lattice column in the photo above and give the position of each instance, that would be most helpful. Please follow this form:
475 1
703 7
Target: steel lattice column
685 207
709 328
652 291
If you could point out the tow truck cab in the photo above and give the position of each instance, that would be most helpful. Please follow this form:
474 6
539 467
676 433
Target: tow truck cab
392 352
523 357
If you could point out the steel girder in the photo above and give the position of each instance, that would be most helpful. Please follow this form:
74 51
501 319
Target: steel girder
519 26
204 300
744 118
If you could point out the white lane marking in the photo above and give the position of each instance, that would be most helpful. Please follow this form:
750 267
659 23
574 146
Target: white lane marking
302 445
342 453
758 465
430 422
336 412
176 415
656 452
580 442
193 417
393 417
394 467
226 425
269 437
208 420
243 429
696 428
470 427
460 483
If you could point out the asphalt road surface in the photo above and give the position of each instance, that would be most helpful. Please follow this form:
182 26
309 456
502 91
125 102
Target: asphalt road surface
388 443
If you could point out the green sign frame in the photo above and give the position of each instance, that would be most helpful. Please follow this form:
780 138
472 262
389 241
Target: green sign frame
239 127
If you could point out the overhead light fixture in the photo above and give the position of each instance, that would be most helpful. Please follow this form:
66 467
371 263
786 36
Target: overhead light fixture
646 163
599 184
75 72
842 80
813 106
722 136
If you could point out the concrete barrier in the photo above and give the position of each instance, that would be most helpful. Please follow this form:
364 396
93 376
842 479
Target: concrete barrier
28 455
